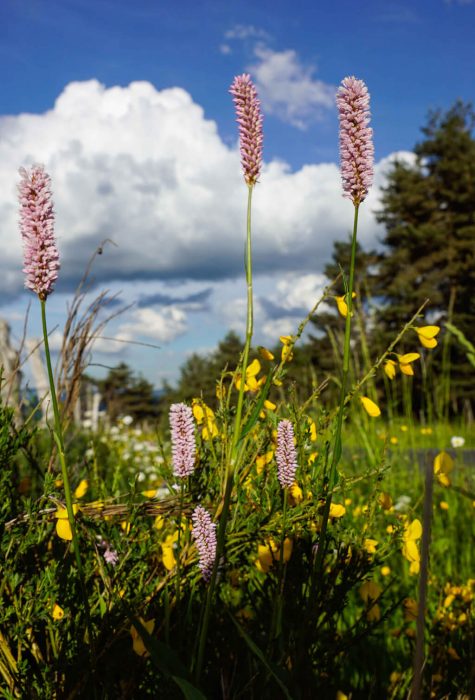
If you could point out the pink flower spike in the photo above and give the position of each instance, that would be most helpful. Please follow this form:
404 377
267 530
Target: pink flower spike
356 139
204 534
286 454
183 439
40 255
249 119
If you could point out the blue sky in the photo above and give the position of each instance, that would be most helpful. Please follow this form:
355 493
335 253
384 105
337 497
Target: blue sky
126 104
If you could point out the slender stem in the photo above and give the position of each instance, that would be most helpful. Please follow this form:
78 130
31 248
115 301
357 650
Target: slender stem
178 554
232 461
58 436
280 597
249 330
336 453
419 652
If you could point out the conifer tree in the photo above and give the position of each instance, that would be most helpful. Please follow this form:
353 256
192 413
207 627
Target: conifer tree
428 209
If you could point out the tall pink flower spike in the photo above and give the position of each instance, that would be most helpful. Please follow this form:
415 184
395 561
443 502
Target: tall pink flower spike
183 439
249 118
286 454
204 534
356 139
41 257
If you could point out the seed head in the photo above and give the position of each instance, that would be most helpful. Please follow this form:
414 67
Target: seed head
286 454
356 139
40 255
183 439
249 118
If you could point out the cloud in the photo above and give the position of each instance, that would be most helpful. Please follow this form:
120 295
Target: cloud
163 326
146 169
193 302
288 89
246 31
279 305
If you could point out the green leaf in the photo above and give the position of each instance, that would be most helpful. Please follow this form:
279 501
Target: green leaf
271 667
464 342
189 691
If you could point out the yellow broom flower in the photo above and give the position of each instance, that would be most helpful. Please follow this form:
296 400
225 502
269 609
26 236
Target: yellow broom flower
410 549
390 369
370 407
426 335
342 305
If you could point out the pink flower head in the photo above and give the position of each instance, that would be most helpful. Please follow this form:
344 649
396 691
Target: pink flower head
183 439
249 118
356 139
286 454
204 534
41 258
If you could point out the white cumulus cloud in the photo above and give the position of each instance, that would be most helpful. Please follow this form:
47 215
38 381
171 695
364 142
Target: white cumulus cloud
164 325
145 168
288 88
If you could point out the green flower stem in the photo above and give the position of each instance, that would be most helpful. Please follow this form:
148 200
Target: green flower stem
58 433
232 461
336 453
58 437
277 617
249 330
178 544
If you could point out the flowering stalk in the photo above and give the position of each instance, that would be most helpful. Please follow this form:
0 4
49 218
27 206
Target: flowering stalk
183 440
249 119
183 457
356 156
41 258
286 454
204 534
286 458
41 265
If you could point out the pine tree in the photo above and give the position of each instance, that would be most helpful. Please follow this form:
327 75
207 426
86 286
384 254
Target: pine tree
428 209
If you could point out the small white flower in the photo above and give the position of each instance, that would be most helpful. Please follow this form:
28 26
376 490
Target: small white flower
162 492
457 441
402 504
127 420
87 423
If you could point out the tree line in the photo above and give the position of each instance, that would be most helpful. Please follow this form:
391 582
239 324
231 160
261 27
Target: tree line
427 208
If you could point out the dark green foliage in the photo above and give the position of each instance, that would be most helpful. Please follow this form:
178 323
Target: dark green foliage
428 210
126 394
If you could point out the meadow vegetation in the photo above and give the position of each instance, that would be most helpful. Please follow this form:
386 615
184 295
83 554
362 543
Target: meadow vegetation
287 522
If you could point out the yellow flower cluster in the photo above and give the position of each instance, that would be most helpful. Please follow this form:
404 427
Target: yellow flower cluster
454 610
426 335
369 593
251 382
287 342
404 362
204 416
410 549
269 552
443 465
